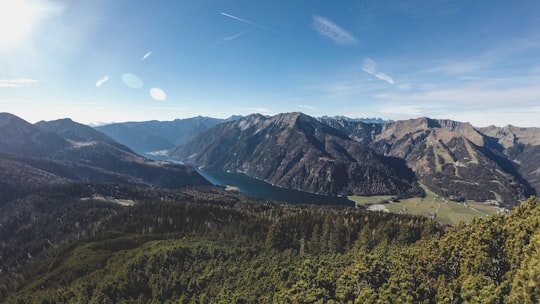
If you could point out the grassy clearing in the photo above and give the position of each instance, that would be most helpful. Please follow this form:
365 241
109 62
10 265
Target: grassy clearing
369 200
122 202
443 210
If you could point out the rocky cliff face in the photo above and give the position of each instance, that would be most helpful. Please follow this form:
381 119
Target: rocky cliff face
296 151
453 159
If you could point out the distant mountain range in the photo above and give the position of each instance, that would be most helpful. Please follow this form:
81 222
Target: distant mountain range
149 136
373 120
33 156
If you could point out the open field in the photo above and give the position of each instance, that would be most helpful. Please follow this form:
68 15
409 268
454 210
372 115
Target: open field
369 200
443 210
122 202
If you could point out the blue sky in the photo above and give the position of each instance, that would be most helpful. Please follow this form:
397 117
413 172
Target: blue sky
124 60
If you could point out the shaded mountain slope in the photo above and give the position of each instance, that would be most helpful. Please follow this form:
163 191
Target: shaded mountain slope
522 147
296 151
77 132
22 138
18 178
33 157
93 149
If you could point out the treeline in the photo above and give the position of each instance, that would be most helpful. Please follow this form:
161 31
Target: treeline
236 251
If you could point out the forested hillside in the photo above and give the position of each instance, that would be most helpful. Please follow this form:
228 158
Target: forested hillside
236 251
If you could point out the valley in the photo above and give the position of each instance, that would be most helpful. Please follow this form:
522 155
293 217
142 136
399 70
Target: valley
283 152
76 207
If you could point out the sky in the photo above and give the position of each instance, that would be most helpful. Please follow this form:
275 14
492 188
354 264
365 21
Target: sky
103 61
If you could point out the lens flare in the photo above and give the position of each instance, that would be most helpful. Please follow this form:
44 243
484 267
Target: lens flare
133 81
158 94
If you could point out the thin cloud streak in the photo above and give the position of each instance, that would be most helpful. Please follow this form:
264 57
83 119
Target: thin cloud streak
308 107
370 66
100 82
145 56
523 116
334 32
471 96
245 21
17 82
384 77
229 38
235 36
263 111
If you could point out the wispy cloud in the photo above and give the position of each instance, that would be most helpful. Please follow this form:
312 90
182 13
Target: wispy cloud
237 35
145 56
470 97
245 21
330 30
369 66
100 82
308 107
250 110
17 82
229 38
385 77
455 67
340 89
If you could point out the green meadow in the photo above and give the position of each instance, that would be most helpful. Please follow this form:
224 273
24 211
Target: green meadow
443 210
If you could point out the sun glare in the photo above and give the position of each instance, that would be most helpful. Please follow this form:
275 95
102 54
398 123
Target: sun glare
17 19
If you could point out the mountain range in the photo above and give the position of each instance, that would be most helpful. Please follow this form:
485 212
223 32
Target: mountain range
56 152
61 181
331 156
149 136
297 151
337 156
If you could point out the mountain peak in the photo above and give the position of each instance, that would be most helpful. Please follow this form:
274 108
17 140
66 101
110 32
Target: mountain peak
74 131
8 118
17 136
289 119
399 129
297 151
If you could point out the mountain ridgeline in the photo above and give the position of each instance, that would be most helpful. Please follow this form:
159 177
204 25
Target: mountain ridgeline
336 156
63 151
150 136
297 151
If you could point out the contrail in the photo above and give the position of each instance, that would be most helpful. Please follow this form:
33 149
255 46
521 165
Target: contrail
234 36
333 31
245 21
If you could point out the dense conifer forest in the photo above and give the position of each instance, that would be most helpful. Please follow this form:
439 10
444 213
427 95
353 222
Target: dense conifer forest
201 246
